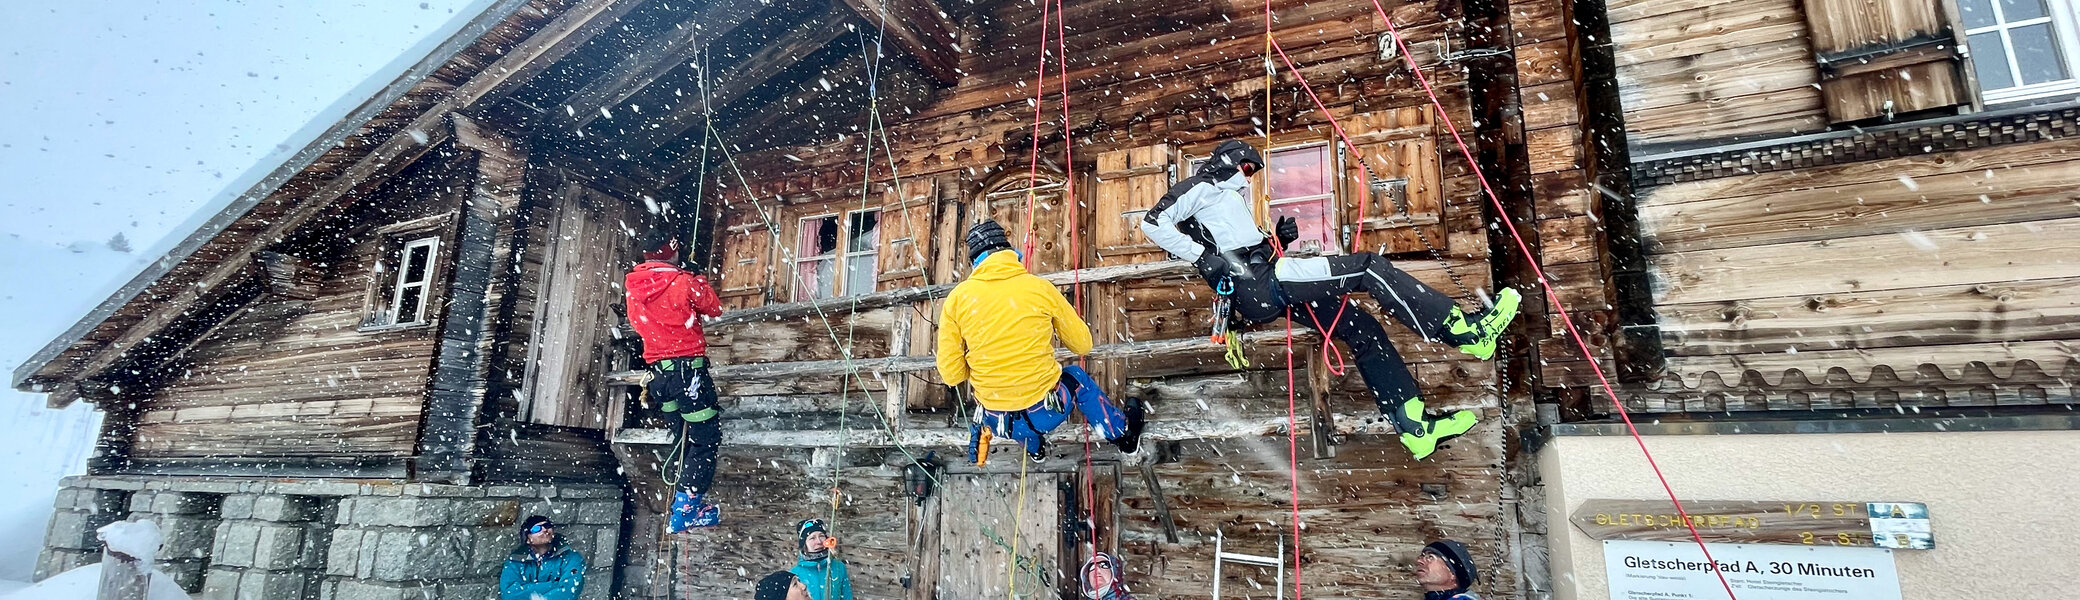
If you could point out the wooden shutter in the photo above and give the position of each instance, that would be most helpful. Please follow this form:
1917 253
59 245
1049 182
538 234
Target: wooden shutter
1129 182
1880 58
906 232
1404 183
743 275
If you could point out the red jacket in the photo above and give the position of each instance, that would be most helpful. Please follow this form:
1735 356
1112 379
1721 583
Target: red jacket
663 302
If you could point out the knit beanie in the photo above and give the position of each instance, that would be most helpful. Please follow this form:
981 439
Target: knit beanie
1456 557
984 238
801 537
774 586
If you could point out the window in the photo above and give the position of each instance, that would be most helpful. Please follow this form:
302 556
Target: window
818 257
2021 49
862 239
1299 182
404 279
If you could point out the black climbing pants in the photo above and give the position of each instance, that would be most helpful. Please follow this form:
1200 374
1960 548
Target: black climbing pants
1314 287
688 397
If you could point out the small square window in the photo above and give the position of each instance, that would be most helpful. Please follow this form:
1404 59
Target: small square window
404 278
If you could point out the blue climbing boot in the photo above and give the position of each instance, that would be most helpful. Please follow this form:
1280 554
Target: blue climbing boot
690 510
1487 329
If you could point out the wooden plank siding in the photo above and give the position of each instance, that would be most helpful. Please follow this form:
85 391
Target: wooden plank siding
1872 268
299 378
1691 72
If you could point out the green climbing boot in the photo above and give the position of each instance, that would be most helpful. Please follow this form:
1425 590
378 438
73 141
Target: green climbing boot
1488 328
1437 431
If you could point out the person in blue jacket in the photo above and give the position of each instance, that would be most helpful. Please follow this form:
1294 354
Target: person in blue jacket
823 574
542 568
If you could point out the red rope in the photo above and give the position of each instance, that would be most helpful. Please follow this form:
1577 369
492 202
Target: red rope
1574 333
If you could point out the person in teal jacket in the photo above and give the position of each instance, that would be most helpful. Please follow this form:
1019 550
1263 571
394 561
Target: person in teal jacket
823 574
542 568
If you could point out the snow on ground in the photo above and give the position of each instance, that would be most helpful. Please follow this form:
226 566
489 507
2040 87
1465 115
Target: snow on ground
81 583
44 288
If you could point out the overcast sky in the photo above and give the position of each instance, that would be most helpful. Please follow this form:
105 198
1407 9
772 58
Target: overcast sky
127 116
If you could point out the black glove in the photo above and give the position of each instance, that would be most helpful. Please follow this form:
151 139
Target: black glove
1288 229
1212 265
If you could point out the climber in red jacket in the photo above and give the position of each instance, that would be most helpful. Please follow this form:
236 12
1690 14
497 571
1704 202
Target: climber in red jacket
665 307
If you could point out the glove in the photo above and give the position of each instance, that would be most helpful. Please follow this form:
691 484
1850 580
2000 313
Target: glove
1288 229
1212 265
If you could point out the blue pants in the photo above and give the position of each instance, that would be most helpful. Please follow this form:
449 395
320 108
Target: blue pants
1076 391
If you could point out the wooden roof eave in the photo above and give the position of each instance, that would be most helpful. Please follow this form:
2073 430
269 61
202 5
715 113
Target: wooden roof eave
65 359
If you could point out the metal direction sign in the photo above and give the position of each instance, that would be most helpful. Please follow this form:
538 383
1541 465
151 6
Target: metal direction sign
1638 570
1902 525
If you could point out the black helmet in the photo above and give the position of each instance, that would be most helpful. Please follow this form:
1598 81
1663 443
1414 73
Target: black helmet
1229 157
984 238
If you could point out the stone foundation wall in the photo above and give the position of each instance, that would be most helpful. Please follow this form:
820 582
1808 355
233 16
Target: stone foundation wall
243 539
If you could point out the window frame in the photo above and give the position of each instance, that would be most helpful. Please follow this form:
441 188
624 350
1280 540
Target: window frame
385 291
398 285
2061 15
1260 189
841 256
846 255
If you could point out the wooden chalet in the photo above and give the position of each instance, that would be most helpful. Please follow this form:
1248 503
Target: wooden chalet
427 296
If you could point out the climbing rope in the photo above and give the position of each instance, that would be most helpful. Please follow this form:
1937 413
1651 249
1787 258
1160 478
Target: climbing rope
1566 320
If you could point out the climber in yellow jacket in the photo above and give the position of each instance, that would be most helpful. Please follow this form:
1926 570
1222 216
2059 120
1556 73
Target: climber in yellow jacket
996 332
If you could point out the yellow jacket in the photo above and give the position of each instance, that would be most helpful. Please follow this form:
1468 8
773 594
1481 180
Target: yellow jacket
997 330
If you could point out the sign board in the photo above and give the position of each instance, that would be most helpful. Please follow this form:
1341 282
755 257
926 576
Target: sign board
1677 571
1902 525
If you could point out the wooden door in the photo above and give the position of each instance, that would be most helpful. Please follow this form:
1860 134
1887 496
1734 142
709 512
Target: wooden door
580 305
978 514
1052 222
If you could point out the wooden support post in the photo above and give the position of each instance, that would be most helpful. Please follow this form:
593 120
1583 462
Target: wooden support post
124 577
1321 421
1155 490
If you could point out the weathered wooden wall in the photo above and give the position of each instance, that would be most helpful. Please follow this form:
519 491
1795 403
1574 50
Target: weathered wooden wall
292 378
1930 280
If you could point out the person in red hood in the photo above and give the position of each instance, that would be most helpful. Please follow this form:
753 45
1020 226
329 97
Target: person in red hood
665 306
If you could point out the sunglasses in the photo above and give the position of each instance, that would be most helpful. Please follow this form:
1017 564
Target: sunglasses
541 527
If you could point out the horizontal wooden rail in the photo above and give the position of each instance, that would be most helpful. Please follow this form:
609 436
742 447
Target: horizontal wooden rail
790 310
911 364
749 432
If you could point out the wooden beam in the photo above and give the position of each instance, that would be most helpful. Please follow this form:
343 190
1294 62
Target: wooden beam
775 111
576 26
770 61
1155 490
921 29
791 310
912 364
771 432
656 57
